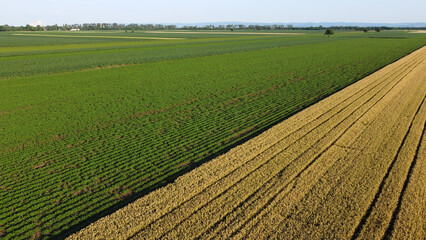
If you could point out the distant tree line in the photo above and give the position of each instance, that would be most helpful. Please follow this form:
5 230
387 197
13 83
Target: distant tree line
116 26
90 26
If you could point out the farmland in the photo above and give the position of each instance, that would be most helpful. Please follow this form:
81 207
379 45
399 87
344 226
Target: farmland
349 167
89 124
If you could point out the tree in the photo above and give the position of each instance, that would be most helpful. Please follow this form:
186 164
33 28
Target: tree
378 29
30 28
365 30
329 32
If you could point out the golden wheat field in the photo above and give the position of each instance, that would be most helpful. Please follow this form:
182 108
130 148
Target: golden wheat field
349 167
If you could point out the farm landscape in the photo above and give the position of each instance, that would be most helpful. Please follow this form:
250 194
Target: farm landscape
92 121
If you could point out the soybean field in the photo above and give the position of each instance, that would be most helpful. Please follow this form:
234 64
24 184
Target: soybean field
91 121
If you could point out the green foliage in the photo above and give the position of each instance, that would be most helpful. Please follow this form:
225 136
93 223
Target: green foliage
377 29
33 60
76 143
329 32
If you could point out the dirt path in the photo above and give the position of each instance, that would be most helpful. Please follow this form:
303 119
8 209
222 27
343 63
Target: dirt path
351 166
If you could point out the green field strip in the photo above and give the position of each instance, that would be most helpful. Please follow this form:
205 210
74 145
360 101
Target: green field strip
80 60
88 47
82 36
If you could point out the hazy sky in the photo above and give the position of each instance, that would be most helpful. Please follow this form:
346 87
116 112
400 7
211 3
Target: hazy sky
22 12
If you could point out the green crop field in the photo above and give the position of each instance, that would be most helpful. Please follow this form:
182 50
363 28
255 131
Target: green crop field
90 121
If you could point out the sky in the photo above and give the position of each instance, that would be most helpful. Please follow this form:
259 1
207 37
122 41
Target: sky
49 12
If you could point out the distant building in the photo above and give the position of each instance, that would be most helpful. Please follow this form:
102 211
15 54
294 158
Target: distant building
75 29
